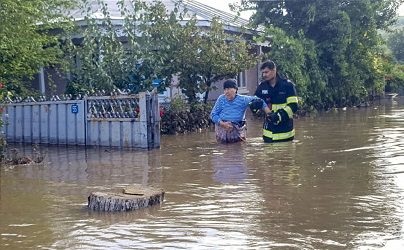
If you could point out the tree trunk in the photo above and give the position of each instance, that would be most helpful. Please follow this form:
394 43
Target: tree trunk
130 198
205 99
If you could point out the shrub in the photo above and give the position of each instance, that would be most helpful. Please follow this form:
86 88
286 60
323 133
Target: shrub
182 117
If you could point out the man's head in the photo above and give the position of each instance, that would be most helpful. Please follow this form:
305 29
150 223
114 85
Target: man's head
268 70
230 89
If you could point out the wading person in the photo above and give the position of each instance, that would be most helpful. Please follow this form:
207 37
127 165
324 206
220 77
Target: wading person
228 114
280 96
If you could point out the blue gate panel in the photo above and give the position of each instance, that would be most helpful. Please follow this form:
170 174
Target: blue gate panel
117 121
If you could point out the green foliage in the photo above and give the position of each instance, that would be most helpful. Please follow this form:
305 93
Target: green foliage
154 44
395 43
288 53
399 24
394 75
99 61
30 36
30 33
182 117
209 56
296 59
341 63
3 94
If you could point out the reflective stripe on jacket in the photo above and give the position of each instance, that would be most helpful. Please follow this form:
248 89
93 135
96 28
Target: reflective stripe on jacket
282 98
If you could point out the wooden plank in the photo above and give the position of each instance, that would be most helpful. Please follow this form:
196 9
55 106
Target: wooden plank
53 123
10 123
116 134
19 124
104 133
93 133
27 123
62 123
36 125
126 134
44 123
81 123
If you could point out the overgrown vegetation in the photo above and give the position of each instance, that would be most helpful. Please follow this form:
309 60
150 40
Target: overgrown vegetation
152 46
331 49
182 117
30 37
395 43
3 94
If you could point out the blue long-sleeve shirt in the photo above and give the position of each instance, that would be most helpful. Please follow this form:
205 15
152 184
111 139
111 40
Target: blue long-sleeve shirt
232 111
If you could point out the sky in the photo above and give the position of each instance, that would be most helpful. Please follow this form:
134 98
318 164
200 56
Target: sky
401 10
224 5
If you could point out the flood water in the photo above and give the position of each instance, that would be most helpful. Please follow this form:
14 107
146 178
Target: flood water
339 185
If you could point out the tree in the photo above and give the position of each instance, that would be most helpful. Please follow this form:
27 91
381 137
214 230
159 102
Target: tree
132 56
197 56
395 43
207 56
394 75
30 36
154 45
345 37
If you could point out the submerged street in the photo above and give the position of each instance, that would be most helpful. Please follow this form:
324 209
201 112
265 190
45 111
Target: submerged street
338 185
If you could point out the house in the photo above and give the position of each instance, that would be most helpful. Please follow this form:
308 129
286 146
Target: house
247 80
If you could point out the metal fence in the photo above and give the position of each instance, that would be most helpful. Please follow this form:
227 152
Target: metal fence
130 121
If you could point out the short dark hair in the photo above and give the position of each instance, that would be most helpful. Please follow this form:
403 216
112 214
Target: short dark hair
268 64
230 83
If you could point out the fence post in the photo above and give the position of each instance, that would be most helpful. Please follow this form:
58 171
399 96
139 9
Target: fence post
143 120
155 120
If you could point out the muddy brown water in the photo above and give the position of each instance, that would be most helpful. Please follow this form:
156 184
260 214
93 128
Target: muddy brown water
339 185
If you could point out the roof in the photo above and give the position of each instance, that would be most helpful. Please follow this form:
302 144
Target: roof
203 12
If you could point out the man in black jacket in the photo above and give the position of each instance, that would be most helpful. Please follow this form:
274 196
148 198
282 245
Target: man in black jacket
280 96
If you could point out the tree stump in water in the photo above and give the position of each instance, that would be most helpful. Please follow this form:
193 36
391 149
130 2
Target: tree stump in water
130 198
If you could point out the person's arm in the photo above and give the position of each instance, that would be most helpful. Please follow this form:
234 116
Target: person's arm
291 103
267 110
258 93
215 113
251 99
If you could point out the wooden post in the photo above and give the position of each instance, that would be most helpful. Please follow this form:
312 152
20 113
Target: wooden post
143 120
149 113
155 121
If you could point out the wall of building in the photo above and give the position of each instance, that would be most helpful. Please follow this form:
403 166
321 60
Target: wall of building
251 78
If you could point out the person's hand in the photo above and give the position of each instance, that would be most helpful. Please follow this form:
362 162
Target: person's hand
226 125
256 105
274 118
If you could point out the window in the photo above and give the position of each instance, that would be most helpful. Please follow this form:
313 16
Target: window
242 83
242 80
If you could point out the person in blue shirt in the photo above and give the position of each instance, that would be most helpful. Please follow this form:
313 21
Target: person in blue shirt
228 114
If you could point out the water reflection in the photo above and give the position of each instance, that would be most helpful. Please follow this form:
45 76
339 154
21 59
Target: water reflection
229 164
387 157
339 185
